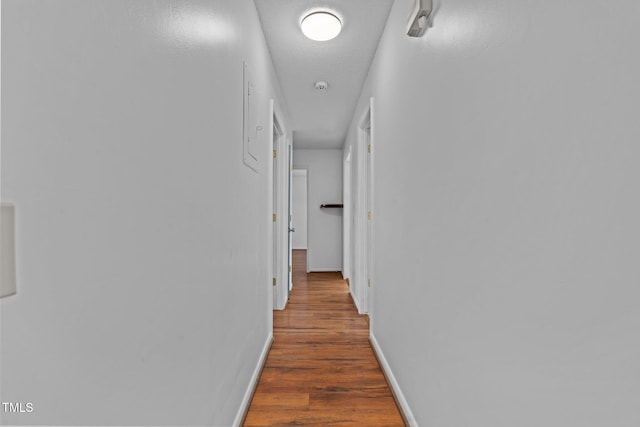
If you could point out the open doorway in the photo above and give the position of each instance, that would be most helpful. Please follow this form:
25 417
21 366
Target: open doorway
299 209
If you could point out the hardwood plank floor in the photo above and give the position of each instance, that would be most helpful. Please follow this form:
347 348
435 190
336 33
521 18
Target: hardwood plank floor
321 369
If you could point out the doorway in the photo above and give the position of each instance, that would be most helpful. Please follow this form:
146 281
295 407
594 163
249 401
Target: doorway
299 214
299 209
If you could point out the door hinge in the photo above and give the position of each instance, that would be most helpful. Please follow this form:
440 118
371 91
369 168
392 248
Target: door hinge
274 281
368 216
369 148
290 218
290 269
274 217
274 154
369 283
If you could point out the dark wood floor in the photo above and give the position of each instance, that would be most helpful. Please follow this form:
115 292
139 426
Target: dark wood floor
321 369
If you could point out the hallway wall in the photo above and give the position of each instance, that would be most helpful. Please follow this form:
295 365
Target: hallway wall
324 226
506 212
144 295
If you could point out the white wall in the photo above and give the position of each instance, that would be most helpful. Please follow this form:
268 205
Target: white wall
324 226
144 293
506 275
299 209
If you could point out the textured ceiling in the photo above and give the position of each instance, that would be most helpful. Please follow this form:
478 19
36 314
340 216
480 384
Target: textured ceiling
320 119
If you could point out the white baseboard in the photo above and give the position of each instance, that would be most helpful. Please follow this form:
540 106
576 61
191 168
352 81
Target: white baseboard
248 395
355 301
393 383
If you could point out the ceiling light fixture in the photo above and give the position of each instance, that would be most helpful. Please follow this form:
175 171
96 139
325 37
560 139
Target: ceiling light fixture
321 26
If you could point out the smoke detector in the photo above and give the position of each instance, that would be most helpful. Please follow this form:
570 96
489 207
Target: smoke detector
321 86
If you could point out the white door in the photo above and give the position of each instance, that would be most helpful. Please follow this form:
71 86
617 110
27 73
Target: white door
275 260
290 220
280 279
346 219
369 257
364 215
299 209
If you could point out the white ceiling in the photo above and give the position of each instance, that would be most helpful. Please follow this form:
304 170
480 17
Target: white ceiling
320 119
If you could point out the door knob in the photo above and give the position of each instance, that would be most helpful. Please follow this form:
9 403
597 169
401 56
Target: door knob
292 230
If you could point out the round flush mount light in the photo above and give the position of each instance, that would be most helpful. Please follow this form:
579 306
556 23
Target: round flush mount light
321 26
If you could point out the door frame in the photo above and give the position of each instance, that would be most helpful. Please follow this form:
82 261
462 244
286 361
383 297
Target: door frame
279 238
347 219
363 259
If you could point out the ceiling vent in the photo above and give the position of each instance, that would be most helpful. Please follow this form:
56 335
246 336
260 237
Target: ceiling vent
321 86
